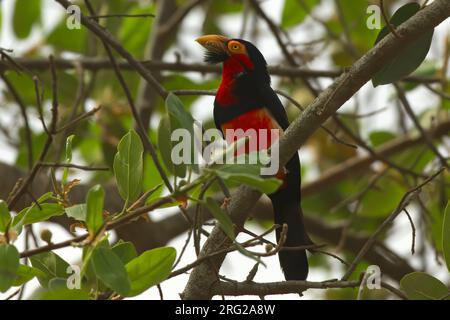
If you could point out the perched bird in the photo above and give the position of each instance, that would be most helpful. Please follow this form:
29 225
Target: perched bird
245 100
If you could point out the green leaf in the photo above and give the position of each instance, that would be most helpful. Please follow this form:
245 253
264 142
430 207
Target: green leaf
165 148
64 39
446 235
125 251
128 166
248 174
5 216
9 263
180 118
110 270
26 14
77 212
415 158
26 273
51 265
380 201
220 215
94 208
223 7
68 157
69 147
177 111
294 13
37 213
134 33
410 57
379 137
150 268
57 284
29 214
422 286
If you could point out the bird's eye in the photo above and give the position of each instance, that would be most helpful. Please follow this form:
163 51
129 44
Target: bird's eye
235 47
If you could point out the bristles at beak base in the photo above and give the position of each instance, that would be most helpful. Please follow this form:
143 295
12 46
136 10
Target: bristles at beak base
216 46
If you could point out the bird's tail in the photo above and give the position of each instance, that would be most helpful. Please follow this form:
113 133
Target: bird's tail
286 205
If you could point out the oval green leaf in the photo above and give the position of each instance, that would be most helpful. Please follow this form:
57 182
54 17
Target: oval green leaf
165 148
5 216
247 174
128 166
377 138
94 208
125 251
51 265
110 270
63 39
44 212
150 268
77 212
9 263
68 158
410 57
26 273
294 13
181 119
422 286
26 14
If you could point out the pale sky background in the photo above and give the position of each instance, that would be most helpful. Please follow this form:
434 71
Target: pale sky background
236 266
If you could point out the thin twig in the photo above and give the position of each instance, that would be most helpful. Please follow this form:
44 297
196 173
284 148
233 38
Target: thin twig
78 119
72 165
386 20
15 293
408 109
122 15
439 93
39 103
413 241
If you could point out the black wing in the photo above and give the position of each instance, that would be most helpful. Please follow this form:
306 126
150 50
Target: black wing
269 99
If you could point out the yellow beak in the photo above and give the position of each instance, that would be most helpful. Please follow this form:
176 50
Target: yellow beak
214 43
